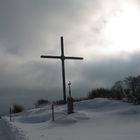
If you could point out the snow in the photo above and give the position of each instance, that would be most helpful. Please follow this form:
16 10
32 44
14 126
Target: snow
98 119
3 131
9 132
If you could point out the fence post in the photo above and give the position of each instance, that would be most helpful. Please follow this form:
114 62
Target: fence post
53 112
10 111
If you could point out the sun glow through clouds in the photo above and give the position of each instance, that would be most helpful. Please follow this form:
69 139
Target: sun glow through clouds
122 31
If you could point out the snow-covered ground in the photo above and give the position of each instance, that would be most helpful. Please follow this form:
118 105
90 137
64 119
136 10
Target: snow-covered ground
9 132
98 119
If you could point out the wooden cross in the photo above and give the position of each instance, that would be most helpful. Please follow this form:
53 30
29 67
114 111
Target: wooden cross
62 58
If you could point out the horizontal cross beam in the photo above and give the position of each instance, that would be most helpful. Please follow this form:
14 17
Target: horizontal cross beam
48 56
78 58
61 57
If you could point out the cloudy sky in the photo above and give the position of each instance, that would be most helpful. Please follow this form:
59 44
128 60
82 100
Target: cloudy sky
105 32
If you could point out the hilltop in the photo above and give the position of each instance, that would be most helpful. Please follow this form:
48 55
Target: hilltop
98 119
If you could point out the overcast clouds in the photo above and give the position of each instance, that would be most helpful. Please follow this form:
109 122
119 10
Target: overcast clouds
30 28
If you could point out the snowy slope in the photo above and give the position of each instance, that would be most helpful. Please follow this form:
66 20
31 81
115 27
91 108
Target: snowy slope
98 119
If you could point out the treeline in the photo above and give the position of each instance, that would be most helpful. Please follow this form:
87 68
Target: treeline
127 90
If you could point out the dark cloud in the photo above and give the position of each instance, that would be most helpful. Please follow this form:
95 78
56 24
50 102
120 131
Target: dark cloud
28 24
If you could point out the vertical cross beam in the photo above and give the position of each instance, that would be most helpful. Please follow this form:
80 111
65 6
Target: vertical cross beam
63 69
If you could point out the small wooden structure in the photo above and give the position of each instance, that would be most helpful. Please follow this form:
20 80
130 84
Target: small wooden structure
70 101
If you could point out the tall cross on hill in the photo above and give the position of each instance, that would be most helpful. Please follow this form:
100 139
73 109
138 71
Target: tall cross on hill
62 58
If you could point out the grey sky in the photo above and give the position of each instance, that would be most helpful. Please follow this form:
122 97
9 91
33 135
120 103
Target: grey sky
30 28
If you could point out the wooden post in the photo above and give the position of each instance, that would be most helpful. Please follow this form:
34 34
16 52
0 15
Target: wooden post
10 112
52 112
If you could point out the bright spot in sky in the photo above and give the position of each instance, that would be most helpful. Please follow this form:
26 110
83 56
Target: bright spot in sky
122 31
